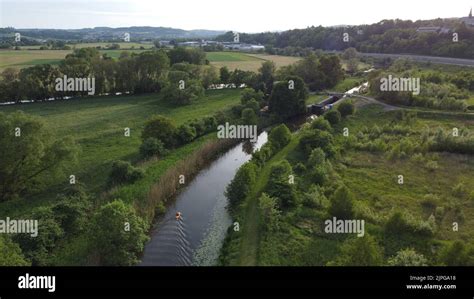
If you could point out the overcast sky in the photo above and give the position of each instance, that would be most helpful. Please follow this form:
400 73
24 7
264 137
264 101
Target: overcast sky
238 15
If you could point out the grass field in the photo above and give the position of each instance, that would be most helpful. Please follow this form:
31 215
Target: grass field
123 45
26 58
246 62
98 125
372 178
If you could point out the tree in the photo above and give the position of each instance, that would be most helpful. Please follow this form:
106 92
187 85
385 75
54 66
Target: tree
280 186
10 253
224 75
408 257
242 183
123 172
186 134
249 117
454 254
346 108
269 213
152 147
359 252
209 76
118 234
280 136
31 156
333 116
266 74
150 69
288 98
314 139
350 53
179 95
342 203
249 94
161 128
330 66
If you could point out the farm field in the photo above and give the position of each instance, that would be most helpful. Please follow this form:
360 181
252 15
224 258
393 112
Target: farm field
98 125
246 62
26 58
123 45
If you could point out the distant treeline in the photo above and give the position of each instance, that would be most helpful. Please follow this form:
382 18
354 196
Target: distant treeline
387 36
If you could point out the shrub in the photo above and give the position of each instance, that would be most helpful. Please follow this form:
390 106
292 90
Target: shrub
333 117
249 117
269 213
118 234
71 214
321 124
280 136
161 128
317 157
315 198
39 248
10 253
279 185
314 139
360 252
454 254
123 172
152 147
242 183
346 108
342 203
408 257
185 134
460 190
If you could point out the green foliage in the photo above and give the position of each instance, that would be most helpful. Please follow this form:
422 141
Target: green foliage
173 93
342 203
286 102
118 234
315 198
161 128
402 223
185 134
346 108
279 136
31 159
279 185
360 252
38 249
123 172
455 254
333 117
249 94
242 183
408 258
249 117
153 147
269 213
316 138
321 124
10 253
189 55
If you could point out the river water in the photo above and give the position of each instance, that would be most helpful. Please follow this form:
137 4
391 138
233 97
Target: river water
196 239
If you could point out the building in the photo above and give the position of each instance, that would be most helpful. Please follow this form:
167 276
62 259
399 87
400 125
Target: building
469 20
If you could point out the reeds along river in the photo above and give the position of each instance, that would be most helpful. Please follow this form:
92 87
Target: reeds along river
197 237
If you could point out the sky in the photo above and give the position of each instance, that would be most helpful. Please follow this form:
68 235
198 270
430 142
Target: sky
237 15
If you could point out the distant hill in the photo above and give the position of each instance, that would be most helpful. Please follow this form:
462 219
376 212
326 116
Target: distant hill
107 33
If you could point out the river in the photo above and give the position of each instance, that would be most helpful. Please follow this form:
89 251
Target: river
196 239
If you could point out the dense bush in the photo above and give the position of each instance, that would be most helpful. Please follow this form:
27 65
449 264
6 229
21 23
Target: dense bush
269 213
314 139
185 134
333 117
342 203
409 258
346 108
321 124
10 253
279 185
249 117
360 252
455 254
161 128
152 147
123 172
280 136
118 234
242 183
